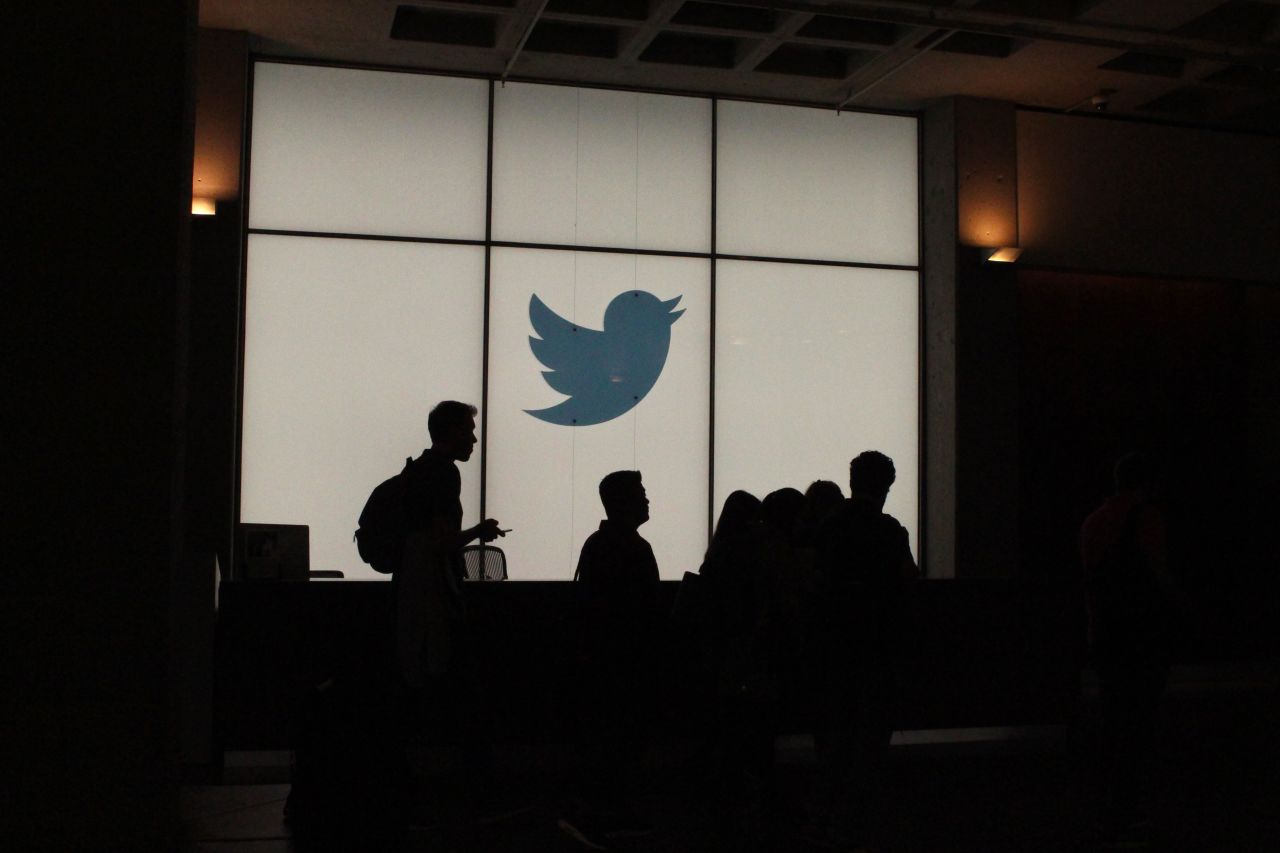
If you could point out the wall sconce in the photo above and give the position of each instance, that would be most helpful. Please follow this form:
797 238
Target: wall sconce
203 207
1006 255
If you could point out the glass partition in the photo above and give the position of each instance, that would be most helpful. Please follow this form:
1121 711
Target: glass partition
815 364
588 167
619 280
347 345
543 473
797 182
348 151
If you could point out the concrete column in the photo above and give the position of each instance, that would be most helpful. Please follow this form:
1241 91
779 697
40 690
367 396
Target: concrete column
939 347
970 179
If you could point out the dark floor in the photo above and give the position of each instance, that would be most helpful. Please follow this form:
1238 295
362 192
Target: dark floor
1215 786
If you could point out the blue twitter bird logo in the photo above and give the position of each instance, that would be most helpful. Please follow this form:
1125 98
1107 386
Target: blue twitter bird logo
604 373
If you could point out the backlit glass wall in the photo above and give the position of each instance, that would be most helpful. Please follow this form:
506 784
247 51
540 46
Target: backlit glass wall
719 294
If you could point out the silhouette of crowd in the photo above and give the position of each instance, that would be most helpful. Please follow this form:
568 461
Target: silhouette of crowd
796 616
794 604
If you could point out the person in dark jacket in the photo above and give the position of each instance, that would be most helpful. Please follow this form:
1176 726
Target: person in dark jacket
1130 599
619 618
865 566
443 682
737 653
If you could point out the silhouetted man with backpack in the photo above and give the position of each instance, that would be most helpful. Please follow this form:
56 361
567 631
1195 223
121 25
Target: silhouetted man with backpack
441 678
430 613
354 777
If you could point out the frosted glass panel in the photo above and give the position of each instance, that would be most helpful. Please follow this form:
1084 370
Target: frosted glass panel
598 168
368 152
796 182
814 365
542 475
348 345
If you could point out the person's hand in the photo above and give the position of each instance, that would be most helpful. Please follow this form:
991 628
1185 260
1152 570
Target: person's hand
488 530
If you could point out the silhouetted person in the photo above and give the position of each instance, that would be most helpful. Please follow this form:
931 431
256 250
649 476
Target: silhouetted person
619 618
797 589
354 779
865 566
790 565
821 500
739 651
435 653
1129 596
780 510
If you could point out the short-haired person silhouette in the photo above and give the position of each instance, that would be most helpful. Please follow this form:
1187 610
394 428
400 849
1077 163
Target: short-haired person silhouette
435 654
1130 599
618 631
865 565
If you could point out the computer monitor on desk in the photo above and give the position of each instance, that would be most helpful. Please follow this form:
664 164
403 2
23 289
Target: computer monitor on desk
273 552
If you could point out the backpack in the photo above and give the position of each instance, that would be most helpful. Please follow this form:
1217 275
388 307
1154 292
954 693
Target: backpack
380 535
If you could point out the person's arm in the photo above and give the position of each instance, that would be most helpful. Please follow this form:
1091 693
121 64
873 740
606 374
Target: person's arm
486 531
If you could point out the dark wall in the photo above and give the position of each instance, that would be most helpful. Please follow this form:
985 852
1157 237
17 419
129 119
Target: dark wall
986 418
1123 196
100 129
1185 370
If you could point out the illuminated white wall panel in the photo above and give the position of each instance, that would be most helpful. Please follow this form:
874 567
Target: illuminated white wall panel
348 345
368 152
815 364
589 167
794 182
543 477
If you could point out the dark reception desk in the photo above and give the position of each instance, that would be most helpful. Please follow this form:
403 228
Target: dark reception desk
979 653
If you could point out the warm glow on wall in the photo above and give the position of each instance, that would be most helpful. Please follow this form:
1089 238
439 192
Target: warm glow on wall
986 173
984 224
203 207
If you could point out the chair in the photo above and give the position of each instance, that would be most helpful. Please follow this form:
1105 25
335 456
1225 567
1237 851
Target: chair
484 563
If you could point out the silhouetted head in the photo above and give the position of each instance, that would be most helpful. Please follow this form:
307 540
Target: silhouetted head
871 473
821 499
781 511
1132 473
639 308
740 513
624 498
452 426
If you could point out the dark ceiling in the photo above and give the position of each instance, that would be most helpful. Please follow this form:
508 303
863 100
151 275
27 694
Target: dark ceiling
1199 62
